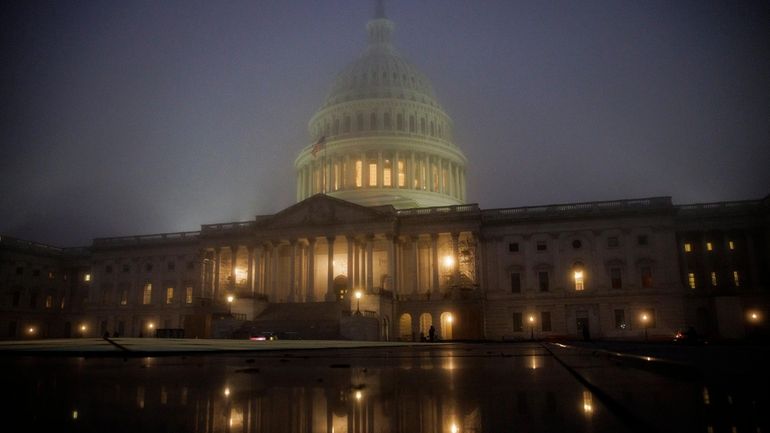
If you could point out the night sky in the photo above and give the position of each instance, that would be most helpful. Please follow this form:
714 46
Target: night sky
123 118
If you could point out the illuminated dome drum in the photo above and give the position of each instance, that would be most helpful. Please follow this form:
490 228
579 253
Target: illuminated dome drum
381 138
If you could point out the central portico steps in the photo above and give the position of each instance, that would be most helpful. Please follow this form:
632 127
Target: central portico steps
306 320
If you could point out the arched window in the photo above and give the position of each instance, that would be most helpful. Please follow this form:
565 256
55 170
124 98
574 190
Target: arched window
578 274
405 327
447 321
426 321
387 173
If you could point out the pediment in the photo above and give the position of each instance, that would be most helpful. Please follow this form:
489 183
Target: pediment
322 210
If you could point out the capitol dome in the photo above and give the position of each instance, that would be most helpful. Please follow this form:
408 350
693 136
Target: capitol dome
381 137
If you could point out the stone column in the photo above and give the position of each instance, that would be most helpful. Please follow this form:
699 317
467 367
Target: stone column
380 170
392 262
350 240
330 269
456 255
274 271
310 289
250 270
364 171
233 263
416 262
292 270
369 263
411 170
434 260
394 172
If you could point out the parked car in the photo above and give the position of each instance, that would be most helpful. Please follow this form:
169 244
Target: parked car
263 336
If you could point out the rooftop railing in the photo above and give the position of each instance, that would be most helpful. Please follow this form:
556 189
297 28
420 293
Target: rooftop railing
722 205
227 226
588 207
144 239
439 210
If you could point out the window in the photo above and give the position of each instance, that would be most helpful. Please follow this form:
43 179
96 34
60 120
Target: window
612 242
513 247
124 297
646 272
542 246
171 266
386 173
148 267
731 245
401 173
147 294
372 174
108 269
714 279
188 298
642 240
616 278
576 244
169 295
87 277
359 174
620 319
542 281
515 282
736 279
545 321
687 247
691 280
50 275
518 325
126 268
709 246
579 279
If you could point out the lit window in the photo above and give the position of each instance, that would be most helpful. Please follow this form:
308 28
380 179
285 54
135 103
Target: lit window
48 301
731 245
687 247
188 295
169 295
736 278
579 280
386 173
87 277
50 275
147 294
124 297
709 246
359 174
372 174
713 278
691 280
401 174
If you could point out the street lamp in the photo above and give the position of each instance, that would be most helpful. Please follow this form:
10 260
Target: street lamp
358 302
531 327
83 329
645 322
230 299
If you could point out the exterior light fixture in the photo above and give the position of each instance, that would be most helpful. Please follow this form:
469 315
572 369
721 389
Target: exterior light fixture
358 302
645 321
230 299
359 395
449 262
531 327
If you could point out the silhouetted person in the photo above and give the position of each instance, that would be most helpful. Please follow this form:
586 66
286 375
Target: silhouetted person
432 333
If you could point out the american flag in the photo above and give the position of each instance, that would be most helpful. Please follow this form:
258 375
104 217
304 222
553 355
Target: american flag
319 145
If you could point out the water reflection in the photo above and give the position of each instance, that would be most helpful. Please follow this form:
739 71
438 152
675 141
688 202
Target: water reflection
408 391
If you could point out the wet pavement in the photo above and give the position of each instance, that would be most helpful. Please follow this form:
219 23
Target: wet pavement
519 387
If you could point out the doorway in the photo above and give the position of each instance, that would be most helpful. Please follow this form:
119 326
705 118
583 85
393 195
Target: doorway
583 327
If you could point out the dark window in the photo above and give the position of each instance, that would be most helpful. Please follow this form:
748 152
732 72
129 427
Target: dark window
518 325
616 278
545 320
171 266
148 267
36 273
642 239
646 277
613 242
108 269
515 282
19 270
16 297
576 244
542 281
542 246
620 319
126 268
513 247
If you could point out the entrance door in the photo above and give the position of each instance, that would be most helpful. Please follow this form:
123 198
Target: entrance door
583 328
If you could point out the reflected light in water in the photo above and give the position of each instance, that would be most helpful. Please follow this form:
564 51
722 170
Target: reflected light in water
533 363
450 363
588 406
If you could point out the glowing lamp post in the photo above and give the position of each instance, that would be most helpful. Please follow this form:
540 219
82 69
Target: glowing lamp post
230 299
645 323
358 302
83 329
531 327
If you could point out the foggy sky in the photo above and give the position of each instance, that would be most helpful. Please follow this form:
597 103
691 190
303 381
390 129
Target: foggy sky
123 118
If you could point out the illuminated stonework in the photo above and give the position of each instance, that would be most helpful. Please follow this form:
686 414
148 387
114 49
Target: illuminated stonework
381 138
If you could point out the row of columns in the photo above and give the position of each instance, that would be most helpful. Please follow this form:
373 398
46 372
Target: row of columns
262 267
338 172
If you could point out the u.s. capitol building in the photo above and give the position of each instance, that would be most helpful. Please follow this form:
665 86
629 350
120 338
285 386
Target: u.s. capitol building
382 243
